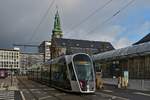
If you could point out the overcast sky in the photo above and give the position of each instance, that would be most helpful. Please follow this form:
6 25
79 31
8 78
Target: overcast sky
19 20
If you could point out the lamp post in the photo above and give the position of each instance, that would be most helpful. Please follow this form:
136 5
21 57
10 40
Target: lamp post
11 75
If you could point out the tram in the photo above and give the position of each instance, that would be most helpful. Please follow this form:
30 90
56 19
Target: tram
71 73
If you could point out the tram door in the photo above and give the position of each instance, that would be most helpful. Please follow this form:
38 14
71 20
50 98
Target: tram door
64 74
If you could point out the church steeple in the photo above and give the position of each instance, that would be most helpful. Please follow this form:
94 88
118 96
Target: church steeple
57 32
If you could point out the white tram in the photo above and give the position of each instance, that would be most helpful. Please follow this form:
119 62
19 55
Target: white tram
72 73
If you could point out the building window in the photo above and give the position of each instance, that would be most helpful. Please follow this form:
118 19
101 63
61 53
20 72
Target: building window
107 47
64 43
77 44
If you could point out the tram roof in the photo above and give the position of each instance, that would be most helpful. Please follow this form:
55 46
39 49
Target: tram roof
131 51
51 61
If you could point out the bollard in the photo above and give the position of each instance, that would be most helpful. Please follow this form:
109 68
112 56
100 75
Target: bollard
119 82
142 84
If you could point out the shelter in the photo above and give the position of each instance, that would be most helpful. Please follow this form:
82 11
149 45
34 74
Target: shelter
135 58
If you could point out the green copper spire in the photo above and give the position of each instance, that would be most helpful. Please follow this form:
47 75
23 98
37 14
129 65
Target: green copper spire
57 32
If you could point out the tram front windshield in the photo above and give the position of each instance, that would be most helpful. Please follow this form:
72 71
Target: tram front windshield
83 67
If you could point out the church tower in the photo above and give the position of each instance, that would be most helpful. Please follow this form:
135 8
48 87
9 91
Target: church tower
57 32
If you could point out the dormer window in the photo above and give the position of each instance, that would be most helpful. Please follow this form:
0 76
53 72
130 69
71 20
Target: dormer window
77 44
64 43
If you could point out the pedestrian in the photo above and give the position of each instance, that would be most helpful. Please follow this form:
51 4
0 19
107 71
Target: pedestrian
99 80
119 81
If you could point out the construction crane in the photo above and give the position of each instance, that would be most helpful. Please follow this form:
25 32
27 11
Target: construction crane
25 45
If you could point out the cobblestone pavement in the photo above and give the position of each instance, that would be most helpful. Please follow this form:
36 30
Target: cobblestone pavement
130 94
34 91
6 83
8 90
24 89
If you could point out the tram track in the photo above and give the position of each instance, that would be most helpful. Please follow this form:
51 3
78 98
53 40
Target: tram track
28 89
102 96
85 98
56 96
78 95
34 97
50 93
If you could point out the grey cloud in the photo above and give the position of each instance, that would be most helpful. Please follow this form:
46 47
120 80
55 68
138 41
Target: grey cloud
18 19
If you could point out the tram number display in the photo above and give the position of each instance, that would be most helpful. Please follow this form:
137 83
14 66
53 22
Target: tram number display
82 62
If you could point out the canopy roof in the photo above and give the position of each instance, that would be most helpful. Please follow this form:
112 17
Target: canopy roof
131 51
35 66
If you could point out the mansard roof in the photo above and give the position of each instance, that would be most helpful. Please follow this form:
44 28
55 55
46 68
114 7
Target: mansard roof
63 42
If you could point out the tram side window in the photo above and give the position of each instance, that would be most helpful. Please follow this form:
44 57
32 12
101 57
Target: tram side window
54 75
97 67
59 71
63 70
71 72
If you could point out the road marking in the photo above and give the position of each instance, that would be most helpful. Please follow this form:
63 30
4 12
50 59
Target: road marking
45 97
140 93
22 95
7 95
38 92
34 89
107 91
59 94
50 89
112 96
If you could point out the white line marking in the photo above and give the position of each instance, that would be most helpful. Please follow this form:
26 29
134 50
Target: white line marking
50 89
34 89
107 91
140 93
7 95
22 95
45 97
112 96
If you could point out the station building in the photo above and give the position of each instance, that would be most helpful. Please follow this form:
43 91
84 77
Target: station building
135 59
71 46
60 46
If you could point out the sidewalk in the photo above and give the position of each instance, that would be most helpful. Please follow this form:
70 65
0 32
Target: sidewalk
5 84
143 85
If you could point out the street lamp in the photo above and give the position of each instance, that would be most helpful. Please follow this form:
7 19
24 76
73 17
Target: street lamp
11 75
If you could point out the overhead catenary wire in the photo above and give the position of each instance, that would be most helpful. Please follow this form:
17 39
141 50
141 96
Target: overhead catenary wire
111 17
43 17
90 15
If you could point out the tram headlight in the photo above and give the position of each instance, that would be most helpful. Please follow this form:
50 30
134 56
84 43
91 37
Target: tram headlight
81 84
88 88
